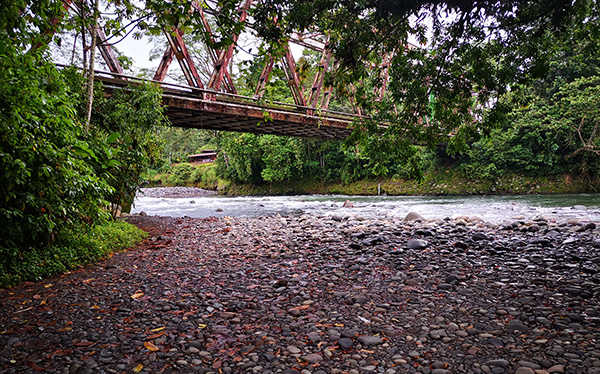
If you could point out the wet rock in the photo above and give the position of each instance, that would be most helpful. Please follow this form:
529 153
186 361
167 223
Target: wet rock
414 216
345 343
370 340
480 236
313 358
417 244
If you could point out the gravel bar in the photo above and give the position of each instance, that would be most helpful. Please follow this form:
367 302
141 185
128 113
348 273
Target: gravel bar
307 294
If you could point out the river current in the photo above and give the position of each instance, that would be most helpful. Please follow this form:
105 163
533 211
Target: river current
494 209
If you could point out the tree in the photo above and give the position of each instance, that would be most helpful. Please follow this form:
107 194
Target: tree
54 174
469 54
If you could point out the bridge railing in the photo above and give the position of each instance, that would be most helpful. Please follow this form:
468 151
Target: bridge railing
121 81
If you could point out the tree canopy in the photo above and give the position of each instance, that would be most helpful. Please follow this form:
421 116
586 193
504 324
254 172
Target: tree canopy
449 60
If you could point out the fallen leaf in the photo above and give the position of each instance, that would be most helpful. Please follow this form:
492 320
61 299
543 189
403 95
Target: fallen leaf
137 294
150 346
202 326
138 368
84 344
158 329
158 335
34 366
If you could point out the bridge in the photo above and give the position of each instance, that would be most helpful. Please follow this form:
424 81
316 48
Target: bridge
191 107
215 104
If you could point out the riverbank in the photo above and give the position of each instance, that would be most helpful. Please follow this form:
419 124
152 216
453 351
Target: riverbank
431 185
71 249
320 295
447 182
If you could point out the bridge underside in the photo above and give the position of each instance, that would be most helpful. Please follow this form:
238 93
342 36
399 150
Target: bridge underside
204 109
240 117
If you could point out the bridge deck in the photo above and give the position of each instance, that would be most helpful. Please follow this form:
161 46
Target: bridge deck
204 109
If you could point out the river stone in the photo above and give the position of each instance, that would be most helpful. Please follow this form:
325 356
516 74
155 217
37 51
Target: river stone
348 204
556 369
293 349
498 362
417 244
517 325
524 370
414 216
313 358
345 343
370 340
478 236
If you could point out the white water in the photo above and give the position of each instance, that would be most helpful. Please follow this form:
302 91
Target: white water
495 209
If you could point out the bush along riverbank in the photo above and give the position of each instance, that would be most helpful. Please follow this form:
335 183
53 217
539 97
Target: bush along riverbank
71 249
436 182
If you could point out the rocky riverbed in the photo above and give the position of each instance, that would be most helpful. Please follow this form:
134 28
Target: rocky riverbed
175 192
319 295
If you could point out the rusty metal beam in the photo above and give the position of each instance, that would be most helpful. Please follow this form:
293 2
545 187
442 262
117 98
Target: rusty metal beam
166 60
264 78
315 91
183 57
187 107
214 54
326 97
292 76
216 78
227 116
108 54
385 67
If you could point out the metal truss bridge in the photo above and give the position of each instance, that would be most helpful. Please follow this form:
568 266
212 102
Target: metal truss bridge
215 104
205 109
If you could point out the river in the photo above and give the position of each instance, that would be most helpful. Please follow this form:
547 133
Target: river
494 209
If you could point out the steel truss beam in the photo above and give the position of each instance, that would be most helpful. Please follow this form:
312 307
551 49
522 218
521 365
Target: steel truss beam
225 56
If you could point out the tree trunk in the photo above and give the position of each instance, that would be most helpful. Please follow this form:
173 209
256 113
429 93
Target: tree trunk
90 72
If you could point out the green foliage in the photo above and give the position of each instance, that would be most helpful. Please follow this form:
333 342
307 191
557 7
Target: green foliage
265 159
181 174
180 143
282 158
45 183
56 179
128 124
530 143
481 47
73 247
241 158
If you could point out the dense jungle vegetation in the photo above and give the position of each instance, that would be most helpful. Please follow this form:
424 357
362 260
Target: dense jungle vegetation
62 172
545 138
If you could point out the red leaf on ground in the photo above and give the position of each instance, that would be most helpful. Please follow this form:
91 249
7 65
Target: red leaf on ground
34 366
84 344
